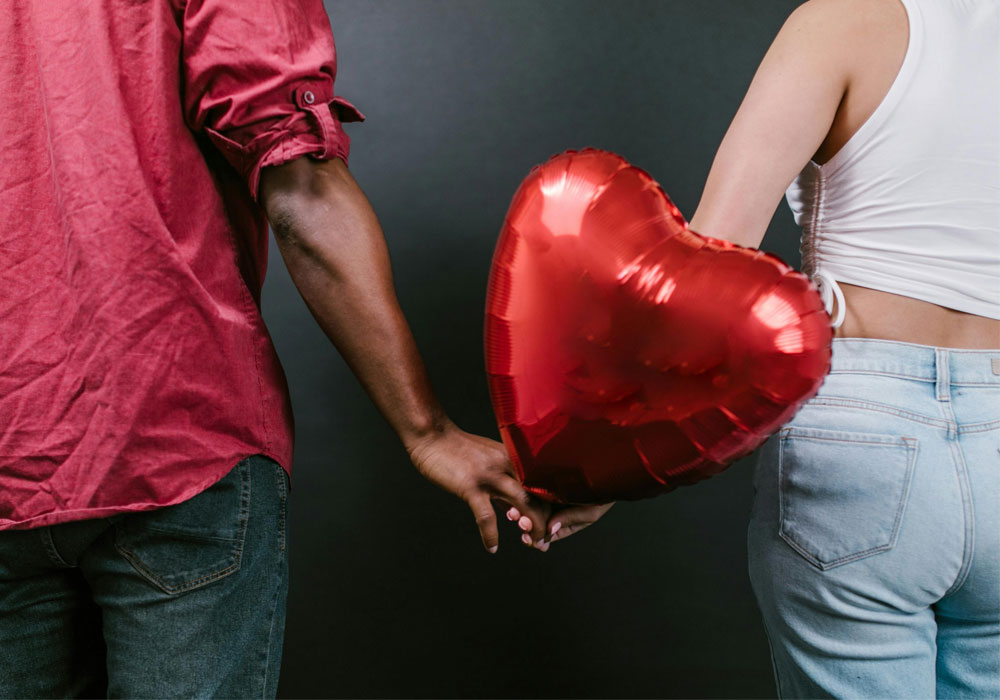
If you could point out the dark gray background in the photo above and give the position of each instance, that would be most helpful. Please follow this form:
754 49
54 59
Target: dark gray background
391 593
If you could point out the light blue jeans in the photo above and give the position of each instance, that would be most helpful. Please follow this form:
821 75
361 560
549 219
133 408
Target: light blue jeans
874 541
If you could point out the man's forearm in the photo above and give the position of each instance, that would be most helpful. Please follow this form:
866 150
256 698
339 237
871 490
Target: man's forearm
336 255
335 251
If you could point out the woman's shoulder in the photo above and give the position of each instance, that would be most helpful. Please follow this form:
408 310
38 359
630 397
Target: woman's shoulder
867 17
859 45
857 39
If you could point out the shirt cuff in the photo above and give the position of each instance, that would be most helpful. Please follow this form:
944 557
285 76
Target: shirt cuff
313 129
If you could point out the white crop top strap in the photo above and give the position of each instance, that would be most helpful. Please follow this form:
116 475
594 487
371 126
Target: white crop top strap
911 203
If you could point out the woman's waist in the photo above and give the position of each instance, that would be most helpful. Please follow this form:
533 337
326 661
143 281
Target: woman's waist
883 315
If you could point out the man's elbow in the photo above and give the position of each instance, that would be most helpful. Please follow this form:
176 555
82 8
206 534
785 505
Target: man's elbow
298 197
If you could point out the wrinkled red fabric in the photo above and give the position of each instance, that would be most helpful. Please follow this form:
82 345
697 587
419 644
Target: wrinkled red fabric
135 368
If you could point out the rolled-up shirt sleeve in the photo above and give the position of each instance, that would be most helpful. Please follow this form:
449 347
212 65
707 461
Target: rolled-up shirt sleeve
258 81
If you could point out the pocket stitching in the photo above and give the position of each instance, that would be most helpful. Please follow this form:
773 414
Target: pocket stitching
910 443
875 407
236 556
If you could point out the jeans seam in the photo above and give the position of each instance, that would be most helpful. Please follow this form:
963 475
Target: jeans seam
277 588
962 475
186 535
244 516
979 427
50 547
270 634
912 377
823 438
881 373
879 408
282 491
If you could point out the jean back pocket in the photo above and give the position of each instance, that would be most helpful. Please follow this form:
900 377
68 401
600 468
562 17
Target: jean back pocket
842 495
191 544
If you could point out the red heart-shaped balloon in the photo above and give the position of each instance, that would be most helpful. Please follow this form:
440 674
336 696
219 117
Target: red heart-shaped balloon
628 355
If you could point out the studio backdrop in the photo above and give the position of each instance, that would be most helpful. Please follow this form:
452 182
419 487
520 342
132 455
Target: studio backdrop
392 594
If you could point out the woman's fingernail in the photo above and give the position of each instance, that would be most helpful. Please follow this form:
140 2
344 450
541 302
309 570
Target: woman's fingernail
545 547
555 528
526 538
494 548
511 514
524 523
539 543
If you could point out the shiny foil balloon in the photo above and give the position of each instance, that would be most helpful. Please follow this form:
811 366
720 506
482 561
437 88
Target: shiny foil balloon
628 355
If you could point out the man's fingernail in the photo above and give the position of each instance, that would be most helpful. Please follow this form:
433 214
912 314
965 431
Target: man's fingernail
494 548
524 523
555 527
526 538
539 543
545 548
511 514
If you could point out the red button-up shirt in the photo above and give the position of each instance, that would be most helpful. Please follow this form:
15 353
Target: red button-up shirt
135 369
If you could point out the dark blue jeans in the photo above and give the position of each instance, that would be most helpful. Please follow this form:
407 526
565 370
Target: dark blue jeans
183 601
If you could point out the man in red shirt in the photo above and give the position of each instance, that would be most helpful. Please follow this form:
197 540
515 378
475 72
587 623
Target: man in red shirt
145 425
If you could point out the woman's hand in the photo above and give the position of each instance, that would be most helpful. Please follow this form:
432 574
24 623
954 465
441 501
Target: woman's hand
477 470
562 523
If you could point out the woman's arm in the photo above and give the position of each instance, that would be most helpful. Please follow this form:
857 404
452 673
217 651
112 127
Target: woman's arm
803 99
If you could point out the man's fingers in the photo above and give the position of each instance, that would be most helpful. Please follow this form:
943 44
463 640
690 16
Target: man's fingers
486 521
508 469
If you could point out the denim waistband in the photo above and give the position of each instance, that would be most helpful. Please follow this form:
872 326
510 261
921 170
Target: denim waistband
920 362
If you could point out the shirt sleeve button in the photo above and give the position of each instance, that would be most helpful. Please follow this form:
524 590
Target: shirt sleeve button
308 97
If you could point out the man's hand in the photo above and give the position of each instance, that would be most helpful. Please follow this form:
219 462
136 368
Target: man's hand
336 255
565 521
477 470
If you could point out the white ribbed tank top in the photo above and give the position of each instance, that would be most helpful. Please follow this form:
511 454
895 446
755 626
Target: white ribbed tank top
911 204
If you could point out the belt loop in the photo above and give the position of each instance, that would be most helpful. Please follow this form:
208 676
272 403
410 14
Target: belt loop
942 378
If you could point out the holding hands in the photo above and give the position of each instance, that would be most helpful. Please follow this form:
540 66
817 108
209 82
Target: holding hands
562 522
477 470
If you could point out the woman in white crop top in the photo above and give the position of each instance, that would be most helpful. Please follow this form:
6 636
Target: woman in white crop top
874 542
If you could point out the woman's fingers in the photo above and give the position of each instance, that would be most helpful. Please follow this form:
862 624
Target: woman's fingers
532 515
573 519
523 522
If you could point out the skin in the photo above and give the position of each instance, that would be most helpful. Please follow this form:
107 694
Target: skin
336 255
826 72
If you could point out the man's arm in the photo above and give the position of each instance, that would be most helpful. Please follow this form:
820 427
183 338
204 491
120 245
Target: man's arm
336 255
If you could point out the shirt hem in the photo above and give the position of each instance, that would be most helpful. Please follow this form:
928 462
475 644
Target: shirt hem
66 516
969 306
